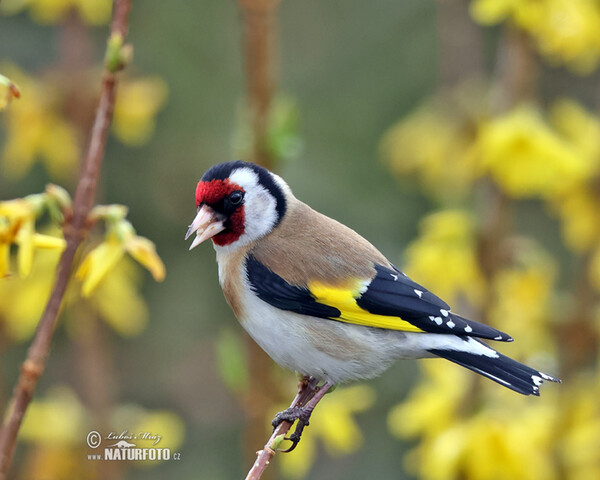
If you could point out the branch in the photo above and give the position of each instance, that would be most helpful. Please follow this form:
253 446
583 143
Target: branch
306 391
259 30
75 230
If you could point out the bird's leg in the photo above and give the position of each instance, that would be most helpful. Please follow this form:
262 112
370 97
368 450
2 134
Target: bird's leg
306 390
301 413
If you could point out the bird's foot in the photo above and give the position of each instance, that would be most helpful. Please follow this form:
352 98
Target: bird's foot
302 414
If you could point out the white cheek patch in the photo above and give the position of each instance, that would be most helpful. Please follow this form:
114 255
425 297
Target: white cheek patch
260 212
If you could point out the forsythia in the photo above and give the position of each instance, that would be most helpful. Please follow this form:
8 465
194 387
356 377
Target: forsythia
466 428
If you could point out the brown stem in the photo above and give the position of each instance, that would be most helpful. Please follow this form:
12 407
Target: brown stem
74 231
306 391
516 70
259 29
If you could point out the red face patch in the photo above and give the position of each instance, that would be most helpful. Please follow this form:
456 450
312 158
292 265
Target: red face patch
214 192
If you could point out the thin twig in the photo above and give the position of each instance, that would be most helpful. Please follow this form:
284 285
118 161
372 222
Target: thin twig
306 391
75 230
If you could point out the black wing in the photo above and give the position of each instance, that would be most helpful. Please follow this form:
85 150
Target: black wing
392 293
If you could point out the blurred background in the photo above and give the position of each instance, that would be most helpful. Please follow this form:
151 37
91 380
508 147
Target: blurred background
462 138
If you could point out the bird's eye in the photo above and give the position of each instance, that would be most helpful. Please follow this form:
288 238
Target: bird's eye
236 197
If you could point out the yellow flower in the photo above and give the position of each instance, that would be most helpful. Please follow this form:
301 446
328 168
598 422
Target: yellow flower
523 299
438 397
92 12
17 225
447 244
138 103
565 31
99 262
34 130
494 440
56 418
332 422
119 302
144 252
490 12
579 443
579 213
569 33
526 158
434 142
120 238
22 301
580 128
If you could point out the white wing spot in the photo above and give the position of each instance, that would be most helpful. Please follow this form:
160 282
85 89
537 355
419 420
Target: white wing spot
537 380
444 312
395 277
450 324
499 337
419 293
468 329
431 317
438 320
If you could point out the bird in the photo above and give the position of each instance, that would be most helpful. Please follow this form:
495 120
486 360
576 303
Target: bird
321 300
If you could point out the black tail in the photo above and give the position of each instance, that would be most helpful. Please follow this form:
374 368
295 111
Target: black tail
501 369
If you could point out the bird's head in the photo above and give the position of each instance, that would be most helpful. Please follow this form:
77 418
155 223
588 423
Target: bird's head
237 202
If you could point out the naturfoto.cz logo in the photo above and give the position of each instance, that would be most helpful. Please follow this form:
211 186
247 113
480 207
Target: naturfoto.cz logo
123 446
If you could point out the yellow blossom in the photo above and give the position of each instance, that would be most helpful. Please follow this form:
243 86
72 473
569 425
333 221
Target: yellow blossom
119 302
490 12
580 128
414 416
565 31
569 32
332 422
137 105
526 157
34 130
99 262
22 300
120 238
92 12
494 440
17 225
58 417
579 443
435 143
523 296
447 244
579 213
144 252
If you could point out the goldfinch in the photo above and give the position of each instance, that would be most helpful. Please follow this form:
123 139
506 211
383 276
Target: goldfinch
320 299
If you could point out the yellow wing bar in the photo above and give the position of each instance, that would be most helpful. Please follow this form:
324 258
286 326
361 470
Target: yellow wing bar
344 299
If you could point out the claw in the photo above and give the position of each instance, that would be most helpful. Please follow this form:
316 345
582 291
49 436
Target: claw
291 415
292 447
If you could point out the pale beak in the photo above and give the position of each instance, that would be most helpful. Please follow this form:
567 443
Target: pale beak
206 225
